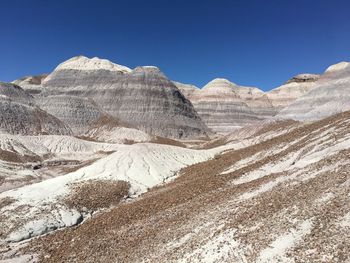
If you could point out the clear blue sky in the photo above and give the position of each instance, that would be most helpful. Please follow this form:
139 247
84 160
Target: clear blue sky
258 43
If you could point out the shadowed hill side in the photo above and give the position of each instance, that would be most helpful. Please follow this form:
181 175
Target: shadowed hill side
20 115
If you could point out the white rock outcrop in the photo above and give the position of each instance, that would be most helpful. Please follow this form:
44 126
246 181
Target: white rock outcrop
292 89
330 96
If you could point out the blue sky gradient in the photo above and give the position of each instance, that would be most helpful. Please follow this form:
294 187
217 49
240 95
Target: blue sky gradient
255 43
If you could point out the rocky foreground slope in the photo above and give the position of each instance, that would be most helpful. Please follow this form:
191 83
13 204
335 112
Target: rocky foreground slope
267 198
41 207
143 98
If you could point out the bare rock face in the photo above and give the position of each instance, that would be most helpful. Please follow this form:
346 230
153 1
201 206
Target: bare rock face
292 89
20 115
330 95
144 97
225 106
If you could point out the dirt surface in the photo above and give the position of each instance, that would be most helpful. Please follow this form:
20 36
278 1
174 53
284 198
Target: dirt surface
94 195
108 122
167 141
278 125
17 158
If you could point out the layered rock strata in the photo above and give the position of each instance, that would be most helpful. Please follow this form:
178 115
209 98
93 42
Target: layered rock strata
225 106
20 115
144 97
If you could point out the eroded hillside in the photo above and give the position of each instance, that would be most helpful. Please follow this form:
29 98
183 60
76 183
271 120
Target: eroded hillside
284 198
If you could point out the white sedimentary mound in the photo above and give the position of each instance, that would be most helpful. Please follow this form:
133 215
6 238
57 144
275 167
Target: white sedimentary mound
338 67
84 63
292 89
331 95
51 145
52 155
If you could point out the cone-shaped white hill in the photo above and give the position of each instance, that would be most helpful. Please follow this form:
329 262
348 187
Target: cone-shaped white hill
84 63
224 106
